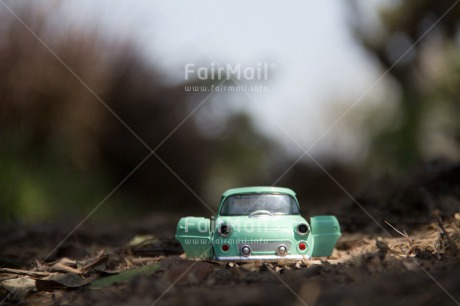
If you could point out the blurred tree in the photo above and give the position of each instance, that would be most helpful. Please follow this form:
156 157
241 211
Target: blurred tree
241 156
418 44
153 111
47 119
62 151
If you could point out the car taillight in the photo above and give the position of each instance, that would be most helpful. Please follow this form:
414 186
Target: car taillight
302 246
225 247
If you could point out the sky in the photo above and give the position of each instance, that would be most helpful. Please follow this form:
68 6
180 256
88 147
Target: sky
317 70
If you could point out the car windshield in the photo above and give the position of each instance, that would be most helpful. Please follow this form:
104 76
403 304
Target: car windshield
245 204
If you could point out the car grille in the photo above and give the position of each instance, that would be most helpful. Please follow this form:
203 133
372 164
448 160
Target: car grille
265 246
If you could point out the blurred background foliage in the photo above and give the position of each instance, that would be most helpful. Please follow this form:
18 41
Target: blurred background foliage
418 44
62 151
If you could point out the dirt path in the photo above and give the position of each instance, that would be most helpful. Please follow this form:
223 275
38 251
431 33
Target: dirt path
419 269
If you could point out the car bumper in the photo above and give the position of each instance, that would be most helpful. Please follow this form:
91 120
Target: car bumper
262 257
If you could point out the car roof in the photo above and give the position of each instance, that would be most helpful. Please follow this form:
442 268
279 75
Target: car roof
259 189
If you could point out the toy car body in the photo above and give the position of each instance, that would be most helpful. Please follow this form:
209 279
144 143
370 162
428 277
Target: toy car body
258 223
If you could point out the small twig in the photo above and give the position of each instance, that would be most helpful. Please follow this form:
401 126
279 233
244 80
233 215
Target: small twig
61 267
444 232
402 234
447 246
25 272
8 278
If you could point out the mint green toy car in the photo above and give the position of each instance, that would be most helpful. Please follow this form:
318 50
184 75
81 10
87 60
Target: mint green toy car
258 223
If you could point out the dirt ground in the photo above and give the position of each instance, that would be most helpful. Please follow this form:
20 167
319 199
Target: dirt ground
413 259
